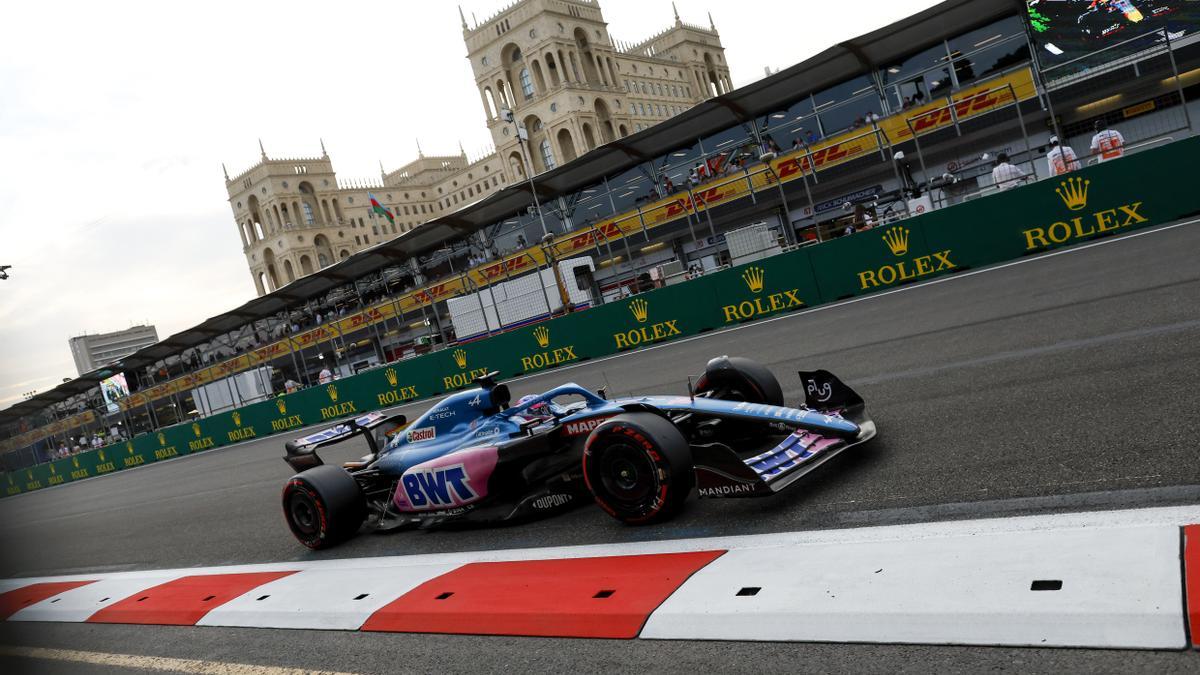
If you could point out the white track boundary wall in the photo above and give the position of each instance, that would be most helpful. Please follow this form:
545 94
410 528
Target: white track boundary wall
961 582
1120 588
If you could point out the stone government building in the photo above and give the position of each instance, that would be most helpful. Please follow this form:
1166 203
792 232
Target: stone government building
568 83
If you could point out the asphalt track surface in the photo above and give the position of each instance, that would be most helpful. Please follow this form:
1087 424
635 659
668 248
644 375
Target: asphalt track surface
1059 383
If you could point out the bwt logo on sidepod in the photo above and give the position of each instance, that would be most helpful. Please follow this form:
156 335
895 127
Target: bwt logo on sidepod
438 487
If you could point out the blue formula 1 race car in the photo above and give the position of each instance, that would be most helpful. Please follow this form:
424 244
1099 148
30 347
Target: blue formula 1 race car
475 456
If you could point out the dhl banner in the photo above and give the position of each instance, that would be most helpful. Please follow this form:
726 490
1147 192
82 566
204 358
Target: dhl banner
57 427
852 145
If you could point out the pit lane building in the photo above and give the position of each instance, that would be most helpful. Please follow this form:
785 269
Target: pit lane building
570 87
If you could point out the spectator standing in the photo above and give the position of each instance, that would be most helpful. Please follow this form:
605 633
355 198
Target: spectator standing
810 137
1107 143
1061 159
325 376
1005 175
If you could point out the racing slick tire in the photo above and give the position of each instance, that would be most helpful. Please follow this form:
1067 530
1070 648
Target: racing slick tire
323 506
638 466
734 378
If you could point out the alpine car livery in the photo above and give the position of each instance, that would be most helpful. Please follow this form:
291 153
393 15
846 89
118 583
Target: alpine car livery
476 457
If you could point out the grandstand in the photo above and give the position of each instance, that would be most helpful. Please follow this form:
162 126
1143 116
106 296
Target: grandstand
876 129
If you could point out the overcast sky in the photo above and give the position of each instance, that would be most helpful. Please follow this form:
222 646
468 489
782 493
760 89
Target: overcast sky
115 119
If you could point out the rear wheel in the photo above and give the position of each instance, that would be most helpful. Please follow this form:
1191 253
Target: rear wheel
323 506
638 466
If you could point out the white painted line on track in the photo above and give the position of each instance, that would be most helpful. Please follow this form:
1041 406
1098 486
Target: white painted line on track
674 343
158 663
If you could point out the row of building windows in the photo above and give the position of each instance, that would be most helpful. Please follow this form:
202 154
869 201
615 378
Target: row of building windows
470 191
656 109
639 87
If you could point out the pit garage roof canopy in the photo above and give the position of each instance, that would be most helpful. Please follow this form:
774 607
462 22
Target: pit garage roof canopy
832 66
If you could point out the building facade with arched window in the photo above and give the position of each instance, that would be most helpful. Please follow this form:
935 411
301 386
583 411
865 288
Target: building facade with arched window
584 86
571 87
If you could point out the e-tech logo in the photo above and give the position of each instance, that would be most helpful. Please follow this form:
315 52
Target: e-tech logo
640 309
755 280
438 487
896 240
1074 194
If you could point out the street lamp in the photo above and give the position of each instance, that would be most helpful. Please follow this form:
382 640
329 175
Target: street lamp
523 140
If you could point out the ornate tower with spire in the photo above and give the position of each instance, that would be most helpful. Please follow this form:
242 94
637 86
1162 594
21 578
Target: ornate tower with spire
571 86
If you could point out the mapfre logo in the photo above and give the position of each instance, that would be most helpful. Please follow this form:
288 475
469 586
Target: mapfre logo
1074 195
582 427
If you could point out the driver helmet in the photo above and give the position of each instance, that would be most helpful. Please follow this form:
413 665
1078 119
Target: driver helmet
538 410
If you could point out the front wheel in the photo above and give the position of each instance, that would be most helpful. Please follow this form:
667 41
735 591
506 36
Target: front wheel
638 466
323 506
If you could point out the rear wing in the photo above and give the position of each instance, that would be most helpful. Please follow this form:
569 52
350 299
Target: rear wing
302 452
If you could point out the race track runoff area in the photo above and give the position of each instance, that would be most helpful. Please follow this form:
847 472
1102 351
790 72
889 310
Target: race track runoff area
1034 483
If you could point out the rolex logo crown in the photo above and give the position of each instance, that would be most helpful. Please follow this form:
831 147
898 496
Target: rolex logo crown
1073 192
390 374
196 429
75 462
332 391
754 276
129 447
282 405
640 309
542 335
162 440
896 240
237 419
460 358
